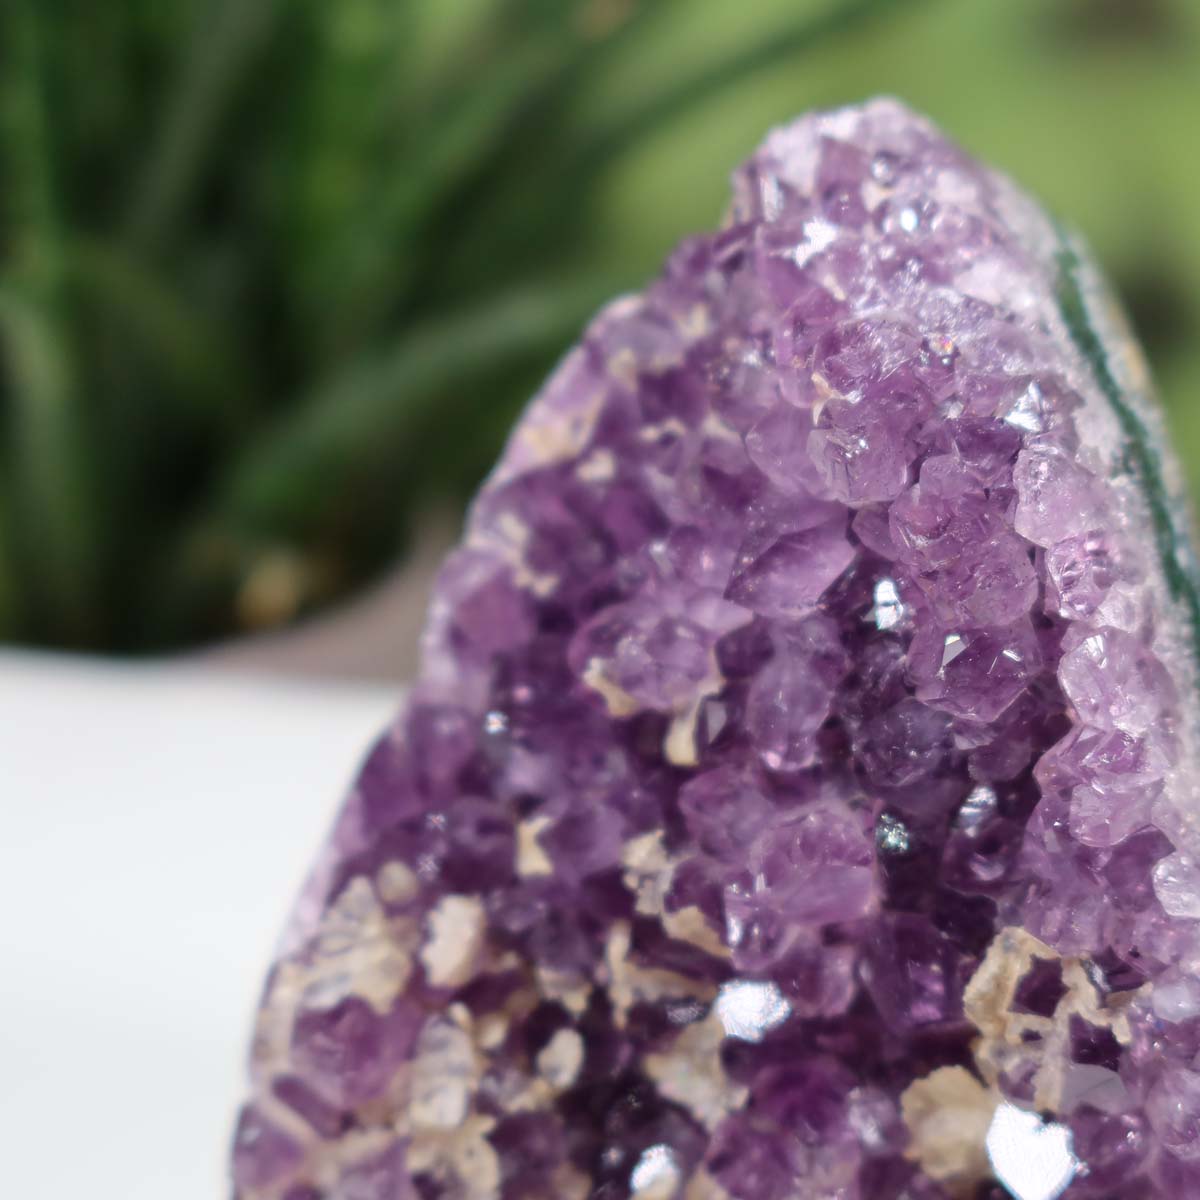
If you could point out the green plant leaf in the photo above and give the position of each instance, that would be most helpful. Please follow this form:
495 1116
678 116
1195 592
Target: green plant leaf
47 499
801 37
198 368
50 518
516 95
275 486
222 51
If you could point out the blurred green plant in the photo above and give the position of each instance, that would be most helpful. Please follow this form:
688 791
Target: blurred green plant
276 277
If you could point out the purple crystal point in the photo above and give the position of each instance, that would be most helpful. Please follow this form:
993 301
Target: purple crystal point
796 797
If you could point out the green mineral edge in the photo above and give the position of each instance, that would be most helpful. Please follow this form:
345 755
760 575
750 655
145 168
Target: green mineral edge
1174 547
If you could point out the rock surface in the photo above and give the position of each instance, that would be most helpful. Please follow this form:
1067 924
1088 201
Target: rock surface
797 799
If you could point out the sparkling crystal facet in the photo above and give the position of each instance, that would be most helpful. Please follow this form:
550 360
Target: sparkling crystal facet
796 799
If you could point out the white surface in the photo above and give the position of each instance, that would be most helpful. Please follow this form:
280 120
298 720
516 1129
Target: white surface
156 823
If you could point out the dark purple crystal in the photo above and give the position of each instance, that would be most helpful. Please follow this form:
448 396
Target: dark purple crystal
795 800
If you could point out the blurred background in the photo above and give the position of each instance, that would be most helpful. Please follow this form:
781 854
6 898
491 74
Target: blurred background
276 277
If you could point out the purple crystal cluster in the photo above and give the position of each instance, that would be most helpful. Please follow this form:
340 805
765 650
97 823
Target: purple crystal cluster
796 802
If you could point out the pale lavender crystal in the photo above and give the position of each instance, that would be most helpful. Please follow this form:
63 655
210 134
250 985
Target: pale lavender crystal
797 796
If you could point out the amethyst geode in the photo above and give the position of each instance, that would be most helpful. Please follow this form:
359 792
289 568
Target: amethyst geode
797 799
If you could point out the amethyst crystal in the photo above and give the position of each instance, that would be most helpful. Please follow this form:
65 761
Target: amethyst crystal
795 800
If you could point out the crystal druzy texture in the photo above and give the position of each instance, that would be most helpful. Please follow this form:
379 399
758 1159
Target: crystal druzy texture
798 799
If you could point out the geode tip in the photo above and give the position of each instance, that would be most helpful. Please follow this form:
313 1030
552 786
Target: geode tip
797 799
